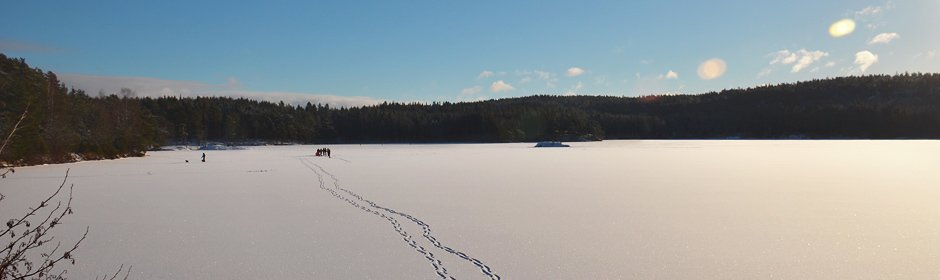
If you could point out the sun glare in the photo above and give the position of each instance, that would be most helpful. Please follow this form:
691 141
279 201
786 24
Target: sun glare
712 69
842 28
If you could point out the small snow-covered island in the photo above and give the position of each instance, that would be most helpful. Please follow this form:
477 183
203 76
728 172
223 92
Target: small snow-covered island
551 144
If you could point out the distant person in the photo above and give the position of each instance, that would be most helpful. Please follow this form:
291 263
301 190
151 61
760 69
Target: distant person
328 153
203 157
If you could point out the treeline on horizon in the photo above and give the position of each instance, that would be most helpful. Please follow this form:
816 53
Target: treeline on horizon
66 124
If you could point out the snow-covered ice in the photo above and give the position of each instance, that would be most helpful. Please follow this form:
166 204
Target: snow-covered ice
600 210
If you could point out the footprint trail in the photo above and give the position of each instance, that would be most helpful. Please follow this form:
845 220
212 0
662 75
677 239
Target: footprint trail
485 269
436 263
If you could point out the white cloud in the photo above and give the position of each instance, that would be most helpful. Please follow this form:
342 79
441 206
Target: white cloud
151 87
233 82
869 11
830 64
783 57
543 75
865 59
670 75
548 77
873 26
883 38
873 15
485 74
931 54
527 76
574 89
471 91
874 11
499 86
764 72
800 58
574 72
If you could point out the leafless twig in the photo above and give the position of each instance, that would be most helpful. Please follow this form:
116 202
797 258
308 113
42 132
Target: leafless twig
13 131
23 255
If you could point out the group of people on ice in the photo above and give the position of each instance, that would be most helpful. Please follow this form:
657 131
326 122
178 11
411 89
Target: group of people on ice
323 152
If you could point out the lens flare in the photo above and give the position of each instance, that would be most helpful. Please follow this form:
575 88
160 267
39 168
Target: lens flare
712 69
842 28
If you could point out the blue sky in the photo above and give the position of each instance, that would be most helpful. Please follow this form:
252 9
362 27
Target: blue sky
356 52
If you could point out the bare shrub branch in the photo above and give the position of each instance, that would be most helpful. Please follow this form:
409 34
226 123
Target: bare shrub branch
23 255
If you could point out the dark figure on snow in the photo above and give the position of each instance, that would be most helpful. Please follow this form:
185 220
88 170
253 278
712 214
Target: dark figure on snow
328 153
203 157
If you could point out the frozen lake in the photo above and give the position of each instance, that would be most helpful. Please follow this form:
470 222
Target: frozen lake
606 210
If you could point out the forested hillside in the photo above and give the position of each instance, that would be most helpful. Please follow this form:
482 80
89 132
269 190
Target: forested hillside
62 123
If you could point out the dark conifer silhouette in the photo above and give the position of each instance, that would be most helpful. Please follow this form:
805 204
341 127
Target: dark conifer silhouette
67 123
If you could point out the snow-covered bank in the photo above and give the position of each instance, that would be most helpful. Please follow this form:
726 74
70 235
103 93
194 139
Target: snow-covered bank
597 210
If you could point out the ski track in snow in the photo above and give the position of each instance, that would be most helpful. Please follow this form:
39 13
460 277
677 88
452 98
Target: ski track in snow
436 263
343 159
485 269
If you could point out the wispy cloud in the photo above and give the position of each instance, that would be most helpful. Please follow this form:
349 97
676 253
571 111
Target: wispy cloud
19 46
670 75
574 72
873 10
485 74
764 72
930 54
471 91
151 87
800 59
865 59
884 38
618 50
500 86
233 82
548 77
870 11
574 89
873 14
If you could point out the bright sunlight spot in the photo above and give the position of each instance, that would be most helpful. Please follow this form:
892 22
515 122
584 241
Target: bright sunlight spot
712 69
842 28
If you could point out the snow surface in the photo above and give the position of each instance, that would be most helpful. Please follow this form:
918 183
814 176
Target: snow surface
600 210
